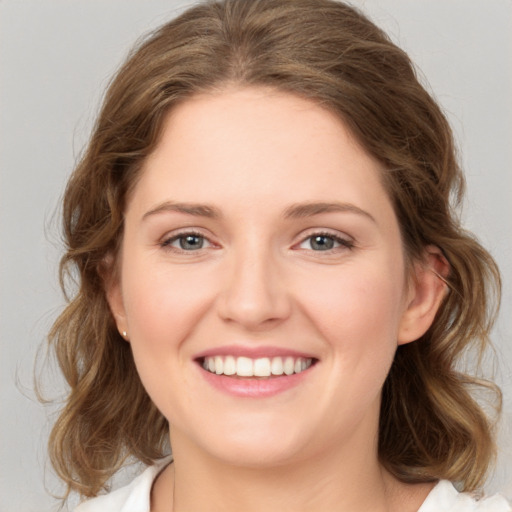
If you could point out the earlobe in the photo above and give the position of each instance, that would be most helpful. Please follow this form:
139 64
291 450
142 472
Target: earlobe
427 289
115 302
114 297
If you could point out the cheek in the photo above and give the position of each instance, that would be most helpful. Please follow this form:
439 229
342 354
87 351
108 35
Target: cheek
162 306
163 310
358 313
359 321
358 302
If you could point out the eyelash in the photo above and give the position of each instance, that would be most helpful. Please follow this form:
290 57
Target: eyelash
166 244
344 243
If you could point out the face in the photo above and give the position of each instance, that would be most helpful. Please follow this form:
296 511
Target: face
262 280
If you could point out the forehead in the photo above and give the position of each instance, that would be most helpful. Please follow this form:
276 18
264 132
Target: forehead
255 145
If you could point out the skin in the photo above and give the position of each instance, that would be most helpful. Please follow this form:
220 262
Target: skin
252 154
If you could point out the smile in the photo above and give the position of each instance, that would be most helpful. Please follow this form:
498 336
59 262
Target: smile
260 367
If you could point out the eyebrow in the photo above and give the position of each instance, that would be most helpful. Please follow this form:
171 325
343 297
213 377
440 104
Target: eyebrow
295 211
195 209
310 209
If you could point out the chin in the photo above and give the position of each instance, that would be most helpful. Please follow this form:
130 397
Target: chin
254 444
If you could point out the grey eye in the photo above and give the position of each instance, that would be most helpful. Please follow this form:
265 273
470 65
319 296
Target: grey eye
321 242
325 242
190 242
186 242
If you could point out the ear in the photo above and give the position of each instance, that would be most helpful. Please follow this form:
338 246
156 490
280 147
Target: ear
427 289
113 292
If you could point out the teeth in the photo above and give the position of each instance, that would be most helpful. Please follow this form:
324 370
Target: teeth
261 367
289 365
229 365
244 367
276 367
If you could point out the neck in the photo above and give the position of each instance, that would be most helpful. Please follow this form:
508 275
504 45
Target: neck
348 480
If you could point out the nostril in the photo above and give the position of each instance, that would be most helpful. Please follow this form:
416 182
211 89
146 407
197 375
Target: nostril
254 298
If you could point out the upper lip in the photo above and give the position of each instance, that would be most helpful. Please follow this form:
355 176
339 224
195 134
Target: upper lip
252 352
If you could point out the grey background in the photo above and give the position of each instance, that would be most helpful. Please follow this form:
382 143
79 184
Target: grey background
56 57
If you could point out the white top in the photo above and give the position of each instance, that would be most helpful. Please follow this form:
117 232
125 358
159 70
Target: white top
135 497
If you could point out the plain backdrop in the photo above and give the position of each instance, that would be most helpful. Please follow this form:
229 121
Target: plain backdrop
56 57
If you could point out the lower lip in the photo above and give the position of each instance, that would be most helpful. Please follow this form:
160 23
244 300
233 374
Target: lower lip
254 387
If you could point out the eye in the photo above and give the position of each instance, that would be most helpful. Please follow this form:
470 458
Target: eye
186 242
325 242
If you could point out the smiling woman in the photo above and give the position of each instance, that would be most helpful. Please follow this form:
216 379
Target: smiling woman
272 279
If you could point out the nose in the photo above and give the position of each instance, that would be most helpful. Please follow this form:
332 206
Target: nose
254 294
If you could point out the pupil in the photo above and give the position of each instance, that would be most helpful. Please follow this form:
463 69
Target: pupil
322 243
191 242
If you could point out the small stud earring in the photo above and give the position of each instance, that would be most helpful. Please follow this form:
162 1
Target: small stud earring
124 333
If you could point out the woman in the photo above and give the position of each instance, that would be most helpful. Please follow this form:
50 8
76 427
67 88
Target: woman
272 279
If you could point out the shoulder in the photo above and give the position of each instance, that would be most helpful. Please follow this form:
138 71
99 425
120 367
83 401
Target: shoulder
445 498
134 497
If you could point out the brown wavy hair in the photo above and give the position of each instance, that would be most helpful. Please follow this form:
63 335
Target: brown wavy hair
431 426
